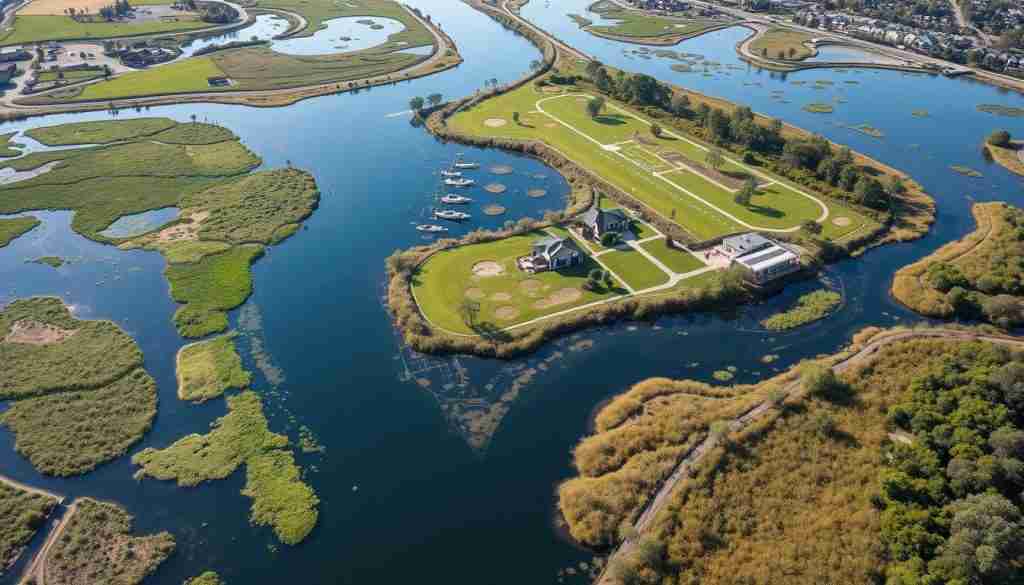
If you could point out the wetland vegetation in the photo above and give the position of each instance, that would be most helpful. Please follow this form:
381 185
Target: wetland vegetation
207 368
22 513
810 307
14 227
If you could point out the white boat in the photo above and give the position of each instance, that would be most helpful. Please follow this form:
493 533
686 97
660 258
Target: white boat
453 199
450 214
458 182
461 164
449 173
431 228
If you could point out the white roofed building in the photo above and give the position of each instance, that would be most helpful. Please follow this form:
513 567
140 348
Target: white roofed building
762 260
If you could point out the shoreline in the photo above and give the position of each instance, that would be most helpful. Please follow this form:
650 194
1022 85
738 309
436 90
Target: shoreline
421 334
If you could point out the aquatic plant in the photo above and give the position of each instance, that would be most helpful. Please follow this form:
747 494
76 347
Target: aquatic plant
808 308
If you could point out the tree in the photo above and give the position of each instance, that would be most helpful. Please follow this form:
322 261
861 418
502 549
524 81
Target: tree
1000 138
811 226
535 65
746 192
592 69
595 106
416 104
468 310
869 192
610 239
791 52
986 539
655 130
819 381
515 117
434 99
714 158
680 104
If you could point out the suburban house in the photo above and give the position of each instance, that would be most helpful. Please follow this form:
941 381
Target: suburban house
550 253
7 71
762 260
596 222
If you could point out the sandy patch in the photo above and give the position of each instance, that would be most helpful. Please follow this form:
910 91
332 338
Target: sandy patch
36 333
535 193
582 100
495 188
494 210
501 297
531 287
506 313
841 221
495 122
57 7
551 125
551 89
184 231
559 297
488 268
475 293
501 170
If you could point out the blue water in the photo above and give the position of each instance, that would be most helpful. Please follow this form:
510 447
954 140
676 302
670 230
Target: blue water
139 223
428 507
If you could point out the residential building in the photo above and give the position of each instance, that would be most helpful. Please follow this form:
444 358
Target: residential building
550 253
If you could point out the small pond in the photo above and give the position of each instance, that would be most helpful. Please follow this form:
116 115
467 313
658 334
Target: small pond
140 223
342 35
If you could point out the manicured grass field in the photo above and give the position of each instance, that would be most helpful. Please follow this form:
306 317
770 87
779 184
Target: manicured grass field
446 281
630 265
610 144
679 261
72 75
32 28
181 77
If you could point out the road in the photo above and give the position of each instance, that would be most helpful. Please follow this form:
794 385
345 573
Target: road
36 571
697 454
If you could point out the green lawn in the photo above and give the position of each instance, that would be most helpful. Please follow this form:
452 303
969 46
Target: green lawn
35 28
72 75
634 268
679 261
184 76
446 281
777 43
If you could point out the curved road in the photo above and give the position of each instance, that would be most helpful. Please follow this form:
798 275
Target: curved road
697 454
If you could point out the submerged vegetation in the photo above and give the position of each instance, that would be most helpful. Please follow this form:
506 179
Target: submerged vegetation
206 578
81 397
273 480
980 277
14 227
97 547
808 308
207 368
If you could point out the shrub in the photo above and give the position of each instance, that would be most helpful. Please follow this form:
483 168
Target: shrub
1000 138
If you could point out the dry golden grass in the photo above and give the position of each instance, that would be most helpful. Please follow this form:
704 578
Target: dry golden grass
909 285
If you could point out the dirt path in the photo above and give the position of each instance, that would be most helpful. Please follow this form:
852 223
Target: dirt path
696 455
36 571
34 490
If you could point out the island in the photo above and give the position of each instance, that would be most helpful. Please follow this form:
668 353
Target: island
79 395
227 213
645 28
1006 151
974 278
15 227
671 210
832 458
23 511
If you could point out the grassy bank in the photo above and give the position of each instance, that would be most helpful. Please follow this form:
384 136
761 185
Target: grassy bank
782 44
643 27
100 132
207 368
206 578
97 546
12 228
977 277
280 498
80 395
35 28
1007 156
21 515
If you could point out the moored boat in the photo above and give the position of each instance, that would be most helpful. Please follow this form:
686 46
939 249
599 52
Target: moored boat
450 214
458 182
431 228
450 173
453 199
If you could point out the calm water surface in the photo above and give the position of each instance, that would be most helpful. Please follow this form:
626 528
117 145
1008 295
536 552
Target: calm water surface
427 508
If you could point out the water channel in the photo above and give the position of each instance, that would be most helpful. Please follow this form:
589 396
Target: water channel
404 497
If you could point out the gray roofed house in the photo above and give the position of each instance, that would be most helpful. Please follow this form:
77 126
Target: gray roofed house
550 253
762 259
597 222
744 244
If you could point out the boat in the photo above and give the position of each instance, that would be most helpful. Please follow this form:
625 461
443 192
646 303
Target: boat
450 214
453 199
458 182
450 173
431 228
461 164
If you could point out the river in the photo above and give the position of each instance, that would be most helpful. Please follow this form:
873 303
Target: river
404 497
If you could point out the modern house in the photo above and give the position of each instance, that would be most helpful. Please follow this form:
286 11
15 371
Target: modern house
761 259
550 253
596 222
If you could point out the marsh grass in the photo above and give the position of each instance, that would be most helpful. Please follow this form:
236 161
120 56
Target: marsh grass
21 515
206 578
207 368
808 308
14 227
280 498
97 547
210 287
100 132
966 171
